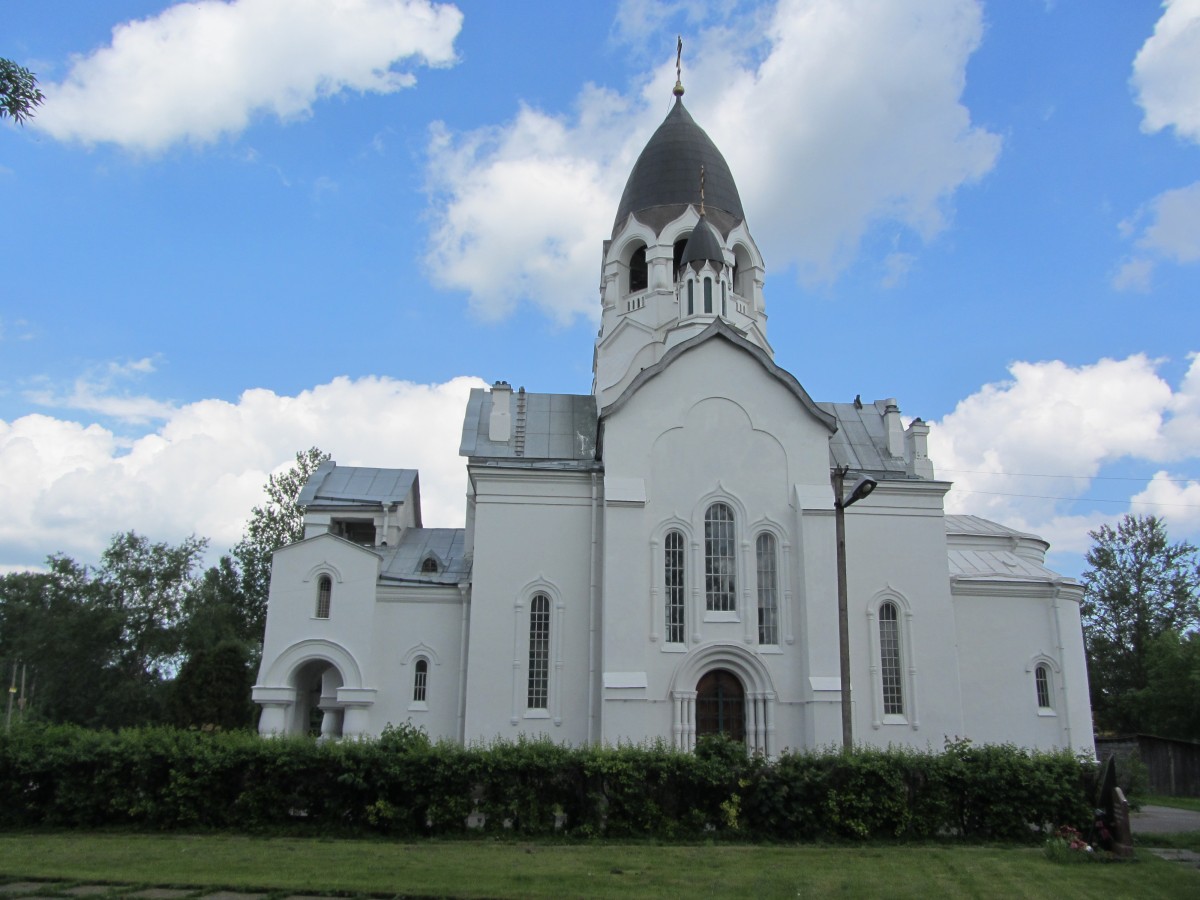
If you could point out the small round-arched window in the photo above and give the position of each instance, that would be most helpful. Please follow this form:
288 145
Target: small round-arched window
638 273
324 596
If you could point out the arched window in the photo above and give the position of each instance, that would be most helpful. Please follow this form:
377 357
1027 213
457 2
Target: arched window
691 296
324 596
678 254
724 300
420 679
429 566
889 659
720 562
673 576
638 274
1041 680
539 652
768 589
721 705
707 295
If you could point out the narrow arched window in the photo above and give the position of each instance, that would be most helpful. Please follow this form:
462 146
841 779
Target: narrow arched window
539 652
708 295
673 576
420 679
768 589
889 659
719 560
1041 678
638 274
724 300
324 596
691 296
678 256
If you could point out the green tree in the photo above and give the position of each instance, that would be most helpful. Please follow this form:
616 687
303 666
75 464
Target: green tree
1139 587
1171 706
213 688
19 94
278 522
56 627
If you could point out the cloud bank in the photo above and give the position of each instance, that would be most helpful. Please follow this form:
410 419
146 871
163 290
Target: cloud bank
69 486
1052 427
203 70
834 115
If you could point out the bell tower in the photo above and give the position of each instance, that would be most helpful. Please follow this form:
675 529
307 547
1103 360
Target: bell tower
680 256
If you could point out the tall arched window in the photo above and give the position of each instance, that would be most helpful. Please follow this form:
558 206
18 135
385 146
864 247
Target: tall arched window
673 577
707 295
691 297
420 679
1041 679
720 564
889 659
638 274
539 652
324 596
724 300
768 589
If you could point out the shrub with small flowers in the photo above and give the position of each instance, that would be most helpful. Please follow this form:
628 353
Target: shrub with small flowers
1067 845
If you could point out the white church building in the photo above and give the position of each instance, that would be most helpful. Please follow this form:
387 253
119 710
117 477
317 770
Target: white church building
657 559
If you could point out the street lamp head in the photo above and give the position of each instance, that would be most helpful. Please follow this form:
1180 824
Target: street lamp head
862 488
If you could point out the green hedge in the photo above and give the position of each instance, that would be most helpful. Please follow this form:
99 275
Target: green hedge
403 785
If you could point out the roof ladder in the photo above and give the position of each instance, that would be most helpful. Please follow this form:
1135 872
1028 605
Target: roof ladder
519 428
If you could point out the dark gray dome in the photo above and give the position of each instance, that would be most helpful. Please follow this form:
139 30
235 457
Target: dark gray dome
703 245
667 173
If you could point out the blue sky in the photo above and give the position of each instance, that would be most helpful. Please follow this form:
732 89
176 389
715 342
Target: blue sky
238 229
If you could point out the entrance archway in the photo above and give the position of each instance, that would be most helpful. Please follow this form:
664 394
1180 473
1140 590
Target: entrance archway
721 705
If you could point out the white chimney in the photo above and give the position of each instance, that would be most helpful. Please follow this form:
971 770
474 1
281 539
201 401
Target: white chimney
500 424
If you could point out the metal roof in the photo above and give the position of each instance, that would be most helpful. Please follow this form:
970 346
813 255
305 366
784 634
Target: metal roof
861 440
545 427
340 486
997 565
975 525
981 550
667 173
702 245
446 545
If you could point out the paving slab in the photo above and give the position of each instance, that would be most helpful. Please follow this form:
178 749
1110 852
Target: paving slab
27 887
91 890
1188 857
230 895
161 894
1163 820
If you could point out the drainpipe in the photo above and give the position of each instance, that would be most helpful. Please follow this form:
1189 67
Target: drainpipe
1062 665
464 592
592 689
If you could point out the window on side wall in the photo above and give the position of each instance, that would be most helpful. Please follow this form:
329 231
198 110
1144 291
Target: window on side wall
420 680
1042 684
324 596
538 686
720 562
768 589
673 577
890 671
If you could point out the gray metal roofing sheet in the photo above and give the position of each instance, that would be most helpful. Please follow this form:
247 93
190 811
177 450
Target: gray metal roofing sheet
997 565
446 545
861 440
668 170
558 427
334 485
975 525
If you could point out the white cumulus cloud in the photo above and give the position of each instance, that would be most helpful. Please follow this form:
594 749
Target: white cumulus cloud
69 486
1021 450
834 115
1168 228
1166 72
201 70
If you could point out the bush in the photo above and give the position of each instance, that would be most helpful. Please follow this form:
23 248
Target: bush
403 785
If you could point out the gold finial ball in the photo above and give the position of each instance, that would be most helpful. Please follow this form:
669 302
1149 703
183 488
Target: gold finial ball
678 89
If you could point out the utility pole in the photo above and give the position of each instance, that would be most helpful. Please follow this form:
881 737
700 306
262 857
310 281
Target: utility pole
12 693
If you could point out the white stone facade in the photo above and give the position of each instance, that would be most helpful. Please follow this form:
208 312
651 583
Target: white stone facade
656 560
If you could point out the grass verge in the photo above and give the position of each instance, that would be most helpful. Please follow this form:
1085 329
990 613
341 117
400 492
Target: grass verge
503 869
1192 803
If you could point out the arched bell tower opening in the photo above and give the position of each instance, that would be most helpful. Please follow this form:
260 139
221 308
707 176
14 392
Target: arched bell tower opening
721 705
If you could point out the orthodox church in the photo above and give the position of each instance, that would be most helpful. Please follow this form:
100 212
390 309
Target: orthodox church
657 560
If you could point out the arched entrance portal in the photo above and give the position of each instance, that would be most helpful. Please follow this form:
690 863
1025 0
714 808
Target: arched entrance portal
721 705
317 711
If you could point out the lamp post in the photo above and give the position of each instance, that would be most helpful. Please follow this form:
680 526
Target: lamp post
862 487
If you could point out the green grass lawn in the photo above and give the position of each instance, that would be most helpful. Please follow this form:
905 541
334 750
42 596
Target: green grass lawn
501 869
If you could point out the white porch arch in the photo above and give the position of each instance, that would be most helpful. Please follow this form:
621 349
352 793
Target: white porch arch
278 694
750 670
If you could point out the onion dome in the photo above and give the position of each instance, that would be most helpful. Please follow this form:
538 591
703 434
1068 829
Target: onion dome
663 181
703 244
